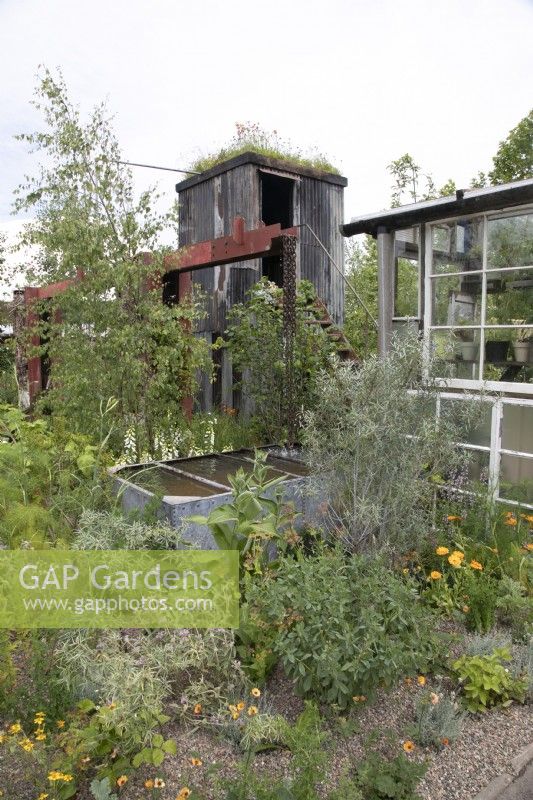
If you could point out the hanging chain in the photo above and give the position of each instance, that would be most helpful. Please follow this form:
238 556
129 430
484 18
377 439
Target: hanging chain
288 257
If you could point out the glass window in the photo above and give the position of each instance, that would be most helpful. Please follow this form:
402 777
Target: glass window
457 246
517 428
407 278
487 303
510 241
456 300
476 429
455 354
516 479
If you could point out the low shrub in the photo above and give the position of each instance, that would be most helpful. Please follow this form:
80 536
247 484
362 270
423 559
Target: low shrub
438 720
487 682
395 779
331 640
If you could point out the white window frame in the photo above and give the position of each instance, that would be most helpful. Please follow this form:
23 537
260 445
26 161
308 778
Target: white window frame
470 383
495 449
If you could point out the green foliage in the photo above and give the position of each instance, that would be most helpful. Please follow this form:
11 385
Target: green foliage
362 272
482 595
487 682
375 452
407 176
47 477
143 672
255 518
250 137
30 675
438 720
515 607
306 742
331 641
514 158
101 790
395 779
109 334
256 343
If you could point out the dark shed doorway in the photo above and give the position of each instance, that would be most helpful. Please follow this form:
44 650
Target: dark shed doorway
277 206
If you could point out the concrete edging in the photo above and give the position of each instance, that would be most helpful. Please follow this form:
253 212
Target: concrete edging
499 784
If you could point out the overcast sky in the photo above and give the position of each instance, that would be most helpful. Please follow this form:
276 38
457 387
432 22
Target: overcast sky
364 81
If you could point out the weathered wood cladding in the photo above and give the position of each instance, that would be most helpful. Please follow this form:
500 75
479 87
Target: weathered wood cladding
208 205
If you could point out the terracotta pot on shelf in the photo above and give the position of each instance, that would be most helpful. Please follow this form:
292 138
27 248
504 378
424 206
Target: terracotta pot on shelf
521 351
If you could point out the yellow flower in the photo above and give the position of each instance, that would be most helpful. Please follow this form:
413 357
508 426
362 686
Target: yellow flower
122 780
149 784
435 575
241 706
421 680
27 745
456 558
60 723
198 708
475 564
252 711
159 783
196 762
442 551
408 746
183 793
15 728
256 692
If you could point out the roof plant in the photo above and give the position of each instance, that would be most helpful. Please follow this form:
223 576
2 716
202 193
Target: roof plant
251 137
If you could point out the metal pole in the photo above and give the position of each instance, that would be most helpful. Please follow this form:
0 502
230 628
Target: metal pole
385 289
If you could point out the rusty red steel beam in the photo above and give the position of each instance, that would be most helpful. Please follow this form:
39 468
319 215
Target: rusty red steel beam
239 246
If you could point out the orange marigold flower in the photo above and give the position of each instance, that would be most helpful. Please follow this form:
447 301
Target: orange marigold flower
408 746
456 558
122 780
198 708
442 551
475 564
421 680
435 575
